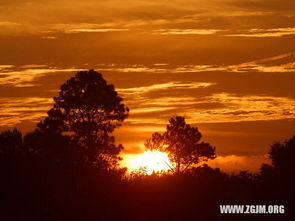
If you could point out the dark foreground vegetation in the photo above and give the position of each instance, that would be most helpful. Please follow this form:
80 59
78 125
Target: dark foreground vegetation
67 169
37 188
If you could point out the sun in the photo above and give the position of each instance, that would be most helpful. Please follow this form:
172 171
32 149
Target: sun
151 161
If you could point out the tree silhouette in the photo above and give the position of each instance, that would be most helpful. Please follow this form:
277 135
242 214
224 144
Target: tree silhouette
278 177
87 111
182 143
282 156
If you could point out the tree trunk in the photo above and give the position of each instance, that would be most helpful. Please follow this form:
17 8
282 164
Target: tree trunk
178 167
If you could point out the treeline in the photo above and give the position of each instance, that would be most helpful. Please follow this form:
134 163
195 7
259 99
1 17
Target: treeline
36 187
67 168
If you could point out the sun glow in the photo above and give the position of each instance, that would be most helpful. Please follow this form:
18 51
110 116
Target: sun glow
150 161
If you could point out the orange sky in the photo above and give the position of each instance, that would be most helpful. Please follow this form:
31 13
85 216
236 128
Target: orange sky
228 66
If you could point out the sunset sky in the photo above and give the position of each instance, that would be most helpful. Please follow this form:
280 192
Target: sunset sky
228 66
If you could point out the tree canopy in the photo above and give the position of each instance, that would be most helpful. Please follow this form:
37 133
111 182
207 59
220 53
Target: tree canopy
182 143
282 155
88 110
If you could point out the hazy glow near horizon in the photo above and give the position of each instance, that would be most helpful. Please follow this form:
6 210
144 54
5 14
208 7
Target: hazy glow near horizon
151 161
